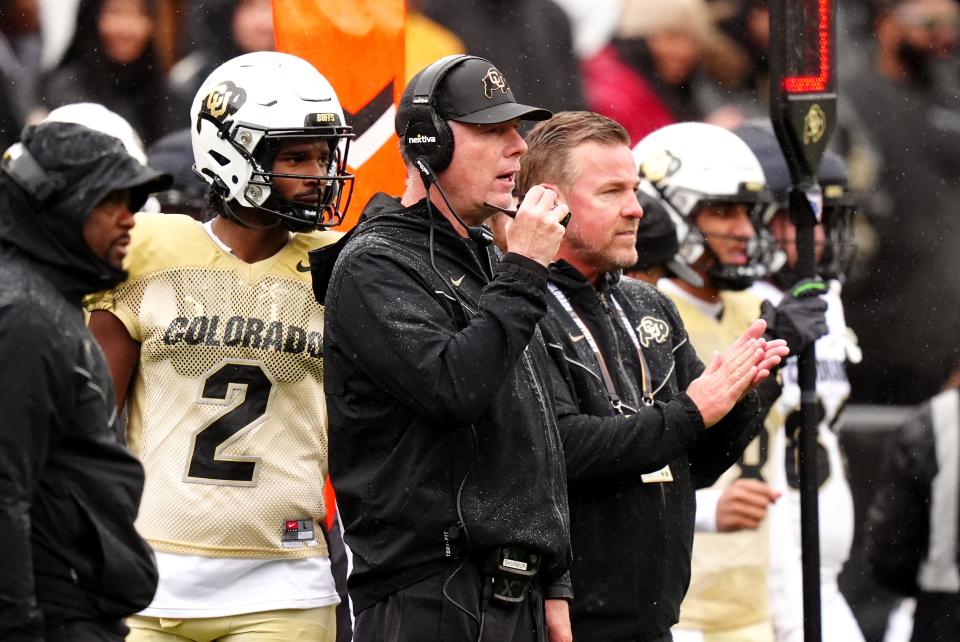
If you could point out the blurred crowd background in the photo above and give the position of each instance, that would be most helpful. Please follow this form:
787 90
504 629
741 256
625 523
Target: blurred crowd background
645 63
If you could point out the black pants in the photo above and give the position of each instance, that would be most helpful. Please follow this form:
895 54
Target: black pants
86 631
421 613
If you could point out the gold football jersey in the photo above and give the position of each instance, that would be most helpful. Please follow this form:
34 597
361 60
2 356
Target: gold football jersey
226 410
728 583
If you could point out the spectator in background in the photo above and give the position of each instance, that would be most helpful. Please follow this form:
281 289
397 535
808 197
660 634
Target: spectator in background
748 28
111 60
645 78
19 65
593 22
912 525
530 41
906 307
216 31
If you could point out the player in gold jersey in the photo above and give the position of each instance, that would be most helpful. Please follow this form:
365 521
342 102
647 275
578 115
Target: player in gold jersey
214 345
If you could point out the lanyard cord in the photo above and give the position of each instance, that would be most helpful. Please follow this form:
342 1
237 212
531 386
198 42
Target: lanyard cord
615 400
644 369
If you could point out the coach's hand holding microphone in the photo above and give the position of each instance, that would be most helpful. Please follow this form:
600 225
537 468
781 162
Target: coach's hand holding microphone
536 230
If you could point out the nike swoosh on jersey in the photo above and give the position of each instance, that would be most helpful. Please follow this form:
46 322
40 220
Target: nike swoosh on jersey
301 267
576 337
457 282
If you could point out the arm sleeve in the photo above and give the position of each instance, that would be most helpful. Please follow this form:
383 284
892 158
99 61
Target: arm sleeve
898 519
28 396
394 327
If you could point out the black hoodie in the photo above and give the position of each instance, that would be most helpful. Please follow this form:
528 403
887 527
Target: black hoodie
437 380
69 489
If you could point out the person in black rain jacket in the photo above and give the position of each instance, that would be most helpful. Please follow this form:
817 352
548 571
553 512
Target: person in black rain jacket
444 447
72 566
643 423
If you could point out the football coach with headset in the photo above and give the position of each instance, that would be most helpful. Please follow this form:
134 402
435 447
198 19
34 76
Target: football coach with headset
444 446
72 565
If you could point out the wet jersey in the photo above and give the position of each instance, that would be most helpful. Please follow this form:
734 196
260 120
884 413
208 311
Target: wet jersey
226 410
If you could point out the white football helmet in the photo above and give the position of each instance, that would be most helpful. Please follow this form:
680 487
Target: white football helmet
242 112
688 165
96 116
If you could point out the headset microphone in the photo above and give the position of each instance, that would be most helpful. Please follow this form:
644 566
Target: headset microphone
513 213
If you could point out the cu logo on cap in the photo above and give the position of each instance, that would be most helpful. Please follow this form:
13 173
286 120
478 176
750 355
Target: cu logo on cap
493 81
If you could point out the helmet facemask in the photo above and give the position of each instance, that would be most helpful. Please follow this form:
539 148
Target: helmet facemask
684 205
320 211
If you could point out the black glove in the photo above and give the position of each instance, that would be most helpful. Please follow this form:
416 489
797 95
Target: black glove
800 319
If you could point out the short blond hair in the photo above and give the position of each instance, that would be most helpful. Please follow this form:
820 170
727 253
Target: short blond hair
548 158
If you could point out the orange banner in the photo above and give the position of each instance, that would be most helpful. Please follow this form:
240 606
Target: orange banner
358 46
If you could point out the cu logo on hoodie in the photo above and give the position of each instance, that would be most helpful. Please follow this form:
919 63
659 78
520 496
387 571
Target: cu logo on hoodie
652 330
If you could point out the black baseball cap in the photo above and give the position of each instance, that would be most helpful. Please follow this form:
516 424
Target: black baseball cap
657 242
473 91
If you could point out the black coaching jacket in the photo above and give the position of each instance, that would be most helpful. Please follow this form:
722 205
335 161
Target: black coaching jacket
632 538
69 489
437 380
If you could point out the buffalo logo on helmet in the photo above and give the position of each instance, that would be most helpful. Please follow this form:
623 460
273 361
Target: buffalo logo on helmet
652 330
659 165
223 100
494 81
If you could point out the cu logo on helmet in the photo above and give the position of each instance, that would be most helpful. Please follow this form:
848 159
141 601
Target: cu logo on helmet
493 81
223 100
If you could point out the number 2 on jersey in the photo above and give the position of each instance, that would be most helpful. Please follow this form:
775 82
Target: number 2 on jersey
248 382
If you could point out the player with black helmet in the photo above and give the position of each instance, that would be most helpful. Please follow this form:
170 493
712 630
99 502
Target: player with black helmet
214 344
833 249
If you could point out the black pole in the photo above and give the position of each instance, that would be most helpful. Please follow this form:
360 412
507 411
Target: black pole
803 96
805 220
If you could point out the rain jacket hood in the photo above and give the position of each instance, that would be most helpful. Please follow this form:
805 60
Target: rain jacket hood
81 167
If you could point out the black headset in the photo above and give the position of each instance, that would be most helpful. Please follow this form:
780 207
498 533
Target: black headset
427 135
20 165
